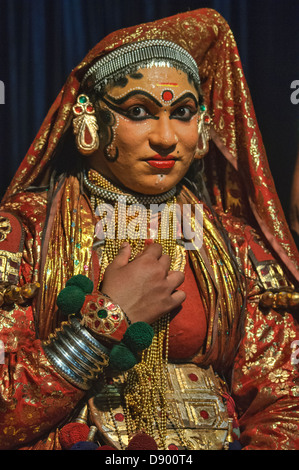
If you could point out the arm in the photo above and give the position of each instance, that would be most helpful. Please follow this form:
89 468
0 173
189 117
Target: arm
265 378
34 398
265 383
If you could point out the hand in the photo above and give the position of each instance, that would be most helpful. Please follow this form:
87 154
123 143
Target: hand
144 288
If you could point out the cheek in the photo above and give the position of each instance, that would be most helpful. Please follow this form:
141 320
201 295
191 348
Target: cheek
188 136
130 136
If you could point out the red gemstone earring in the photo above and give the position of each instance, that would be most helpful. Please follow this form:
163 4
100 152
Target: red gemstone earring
85 126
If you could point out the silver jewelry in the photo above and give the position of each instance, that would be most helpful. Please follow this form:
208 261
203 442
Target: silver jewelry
75 354
128 58
130 198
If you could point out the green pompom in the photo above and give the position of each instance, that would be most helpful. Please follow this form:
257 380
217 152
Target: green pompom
121 358
82 282
70 299
139 336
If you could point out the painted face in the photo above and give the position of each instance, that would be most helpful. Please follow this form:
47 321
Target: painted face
149 130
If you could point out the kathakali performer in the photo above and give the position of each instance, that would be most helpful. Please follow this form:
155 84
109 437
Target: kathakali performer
119 330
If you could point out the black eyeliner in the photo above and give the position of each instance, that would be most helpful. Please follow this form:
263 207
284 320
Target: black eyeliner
125 113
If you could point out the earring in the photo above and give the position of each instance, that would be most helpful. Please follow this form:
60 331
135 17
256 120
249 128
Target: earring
203 132
85 126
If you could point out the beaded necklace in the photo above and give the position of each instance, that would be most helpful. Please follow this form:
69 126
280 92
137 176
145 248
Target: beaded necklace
144 395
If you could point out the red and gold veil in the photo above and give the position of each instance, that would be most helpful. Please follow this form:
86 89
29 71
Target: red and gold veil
238 174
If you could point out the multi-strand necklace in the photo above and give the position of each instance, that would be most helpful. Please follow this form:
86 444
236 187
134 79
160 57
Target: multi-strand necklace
145 390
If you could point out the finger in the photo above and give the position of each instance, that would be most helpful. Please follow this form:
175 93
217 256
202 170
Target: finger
175 279
165 261
154 250
123 256
177 298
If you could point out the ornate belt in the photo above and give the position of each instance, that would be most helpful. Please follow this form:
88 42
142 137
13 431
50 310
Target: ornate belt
197 414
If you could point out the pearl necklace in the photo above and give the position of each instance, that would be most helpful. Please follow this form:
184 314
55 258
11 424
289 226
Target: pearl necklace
131 198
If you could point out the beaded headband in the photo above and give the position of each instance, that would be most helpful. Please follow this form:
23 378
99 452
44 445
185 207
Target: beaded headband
127 59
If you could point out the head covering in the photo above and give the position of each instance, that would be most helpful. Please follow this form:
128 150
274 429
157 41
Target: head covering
208 38
238 174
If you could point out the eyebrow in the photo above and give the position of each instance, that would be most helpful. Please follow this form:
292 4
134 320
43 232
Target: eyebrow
183 97
122 100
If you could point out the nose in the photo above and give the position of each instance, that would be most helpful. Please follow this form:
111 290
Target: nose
163 133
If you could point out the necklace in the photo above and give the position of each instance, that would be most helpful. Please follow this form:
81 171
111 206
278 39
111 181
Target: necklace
104 189
144 394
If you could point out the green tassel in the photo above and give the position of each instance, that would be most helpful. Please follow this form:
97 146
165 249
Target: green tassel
70 300
121 358
124 355
81 281
139 336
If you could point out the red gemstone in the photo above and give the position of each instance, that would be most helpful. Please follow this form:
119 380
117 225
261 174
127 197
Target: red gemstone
87 136
167 95
193 377
119 417
78 109
204 414
89 108
101 302
115 317
93 306
173 447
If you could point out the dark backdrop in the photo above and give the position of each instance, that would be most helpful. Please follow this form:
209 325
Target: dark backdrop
42 40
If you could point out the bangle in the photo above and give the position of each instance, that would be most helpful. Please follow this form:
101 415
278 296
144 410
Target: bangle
75 354
124 313
101 315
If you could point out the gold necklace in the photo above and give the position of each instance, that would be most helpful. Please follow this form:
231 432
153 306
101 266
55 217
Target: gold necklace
145 391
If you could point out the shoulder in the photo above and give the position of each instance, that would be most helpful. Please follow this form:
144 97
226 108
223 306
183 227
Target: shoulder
21 217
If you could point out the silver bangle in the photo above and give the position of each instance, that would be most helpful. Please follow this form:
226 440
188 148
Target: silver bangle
75 354
65 371
87 337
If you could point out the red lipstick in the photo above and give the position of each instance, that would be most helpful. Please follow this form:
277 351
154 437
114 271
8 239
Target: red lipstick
157 161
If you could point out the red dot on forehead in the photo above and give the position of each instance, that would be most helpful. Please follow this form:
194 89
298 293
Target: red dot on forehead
167 95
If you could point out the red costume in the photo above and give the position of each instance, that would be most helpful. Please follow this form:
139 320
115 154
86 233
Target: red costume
51 243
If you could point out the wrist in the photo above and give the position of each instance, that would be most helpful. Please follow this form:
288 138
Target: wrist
103 317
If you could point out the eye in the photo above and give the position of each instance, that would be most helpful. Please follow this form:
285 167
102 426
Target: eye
137 112
184 113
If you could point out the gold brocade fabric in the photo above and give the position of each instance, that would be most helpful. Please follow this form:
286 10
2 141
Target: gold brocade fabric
241 186
238 172
68 251
197 417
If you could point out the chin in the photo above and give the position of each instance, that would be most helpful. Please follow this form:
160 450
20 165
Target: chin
161 184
